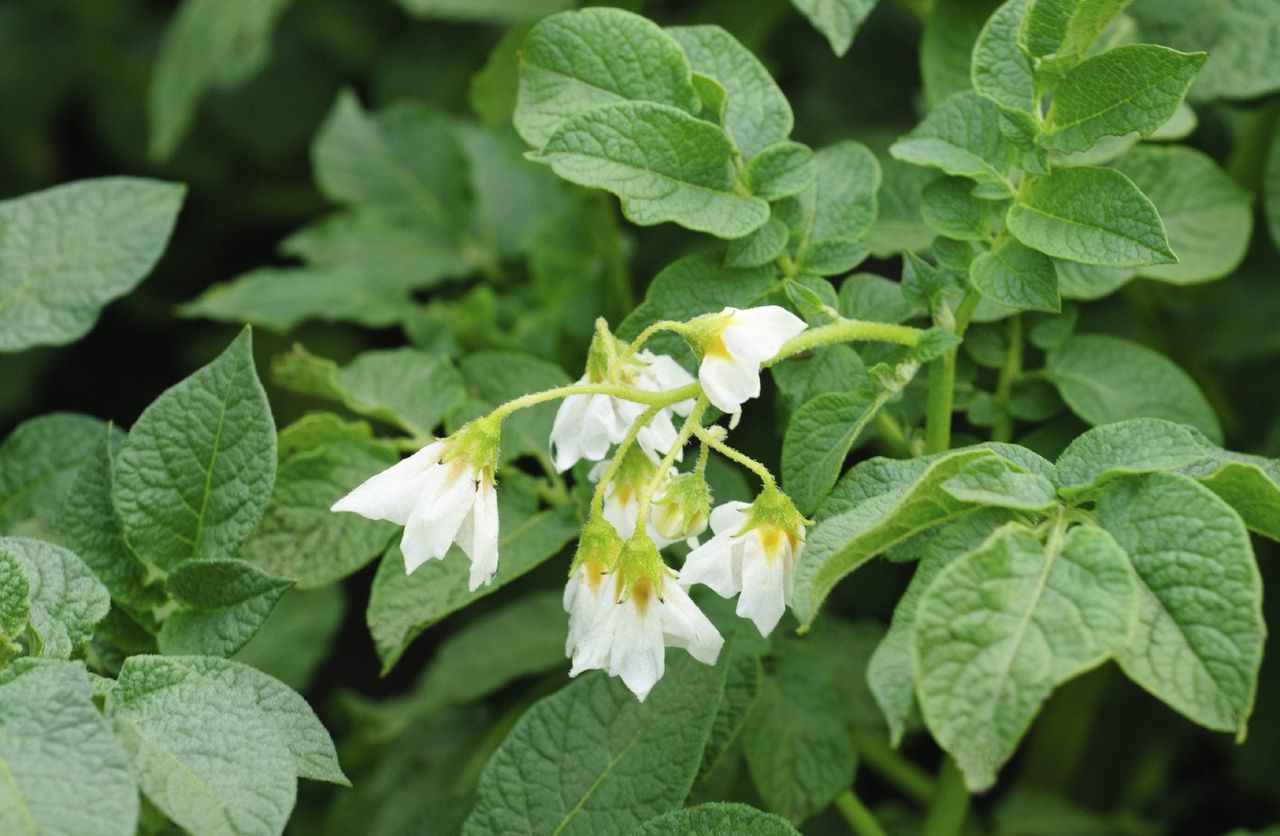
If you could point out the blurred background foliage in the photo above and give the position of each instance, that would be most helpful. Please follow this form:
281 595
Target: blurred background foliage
274 200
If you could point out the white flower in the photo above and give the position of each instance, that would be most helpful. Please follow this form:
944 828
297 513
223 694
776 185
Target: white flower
735 345
587 425
439 499
625 627
752 557
622 494
681 508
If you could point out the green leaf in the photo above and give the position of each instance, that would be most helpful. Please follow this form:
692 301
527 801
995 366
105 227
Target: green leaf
65 772
403 387
1091 215
575 62
66 252
1000 627
574 763
296 724
402 606
1088 281
794 741
495 377
951 28
484 11
1018 277
962 137
867 517
1239 35
1138 445
38 463
209 45
523 638
67 601
1249 484
1106 379
280 299
760 248
205 753
1207 216
15 605
837 20
492 92
403 161
296 637
223 603
950 207
833 217
1200 632
300 538
389 254
891 672
662 163
726 818
996 483
833 368
1063 30
741 687
194 475
823 430
1000 70
781 170
1271 188
757 113
868 296
93 531
1132 88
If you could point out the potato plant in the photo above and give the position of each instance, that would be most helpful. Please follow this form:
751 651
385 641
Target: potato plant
656 418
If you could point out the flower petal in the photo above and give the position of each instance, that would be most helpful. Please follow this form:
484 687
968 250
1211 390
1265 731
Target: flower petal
729 517
763 598
638 653
435 521
392 494
711 564
758 333
687 627
478 536
728 382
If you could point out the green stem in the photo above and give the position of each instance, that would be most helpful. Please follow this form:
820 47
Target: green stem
875 752
657 327
597 496
1009 372
847 330
951 804
940 402
691 425
741 458
861 820
892 434
626 393
1248 158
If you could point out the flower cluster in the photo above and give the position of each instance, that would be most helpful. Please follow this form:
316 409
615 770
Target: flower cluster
625 604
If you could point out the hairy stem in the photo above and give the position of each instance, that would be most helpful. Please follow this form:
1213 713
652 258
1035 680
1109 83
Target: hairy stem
597 496
844 331
691 425
734 455
940 402
625 393
1009 372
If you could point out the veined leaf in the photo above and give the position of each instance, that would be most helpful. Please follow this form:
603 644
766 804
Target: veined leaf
1137 445
738 819
837 20
1017 276
38 463
224 602
67 601
962 137
1000 70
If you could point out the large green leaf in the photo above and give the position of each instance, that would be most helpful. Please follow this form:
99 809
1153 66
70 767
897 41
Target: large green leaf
209 45
1000 69
1249 484
67 251
1091 215
738 819
831 219
662 163
592 759
1200 632
1017 276
1000 627
65 772
205 753
495 377
1106 379
1136 445
911 501
297 637
1133 88
1063 30
1207 216
195 473
577 61
962 136
222 602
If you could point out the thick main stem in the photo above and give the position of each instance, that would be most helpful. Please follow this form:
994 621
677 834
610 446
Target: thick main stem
844 331
940 401
1009 372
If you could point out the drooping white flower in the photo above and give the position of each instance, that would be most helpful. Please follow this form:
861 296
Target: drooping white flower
752 555
733 344
681 508
587 425
622 495
442 494
621 620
